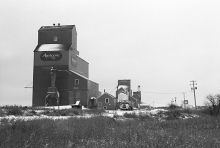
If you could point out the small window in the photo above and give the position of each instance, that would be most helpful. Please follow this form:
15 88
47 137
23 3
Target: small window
77 81
106 100
77 94
55 38
104 107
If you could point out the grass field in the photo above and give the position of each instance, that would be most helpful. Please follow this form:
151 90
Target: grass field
131 130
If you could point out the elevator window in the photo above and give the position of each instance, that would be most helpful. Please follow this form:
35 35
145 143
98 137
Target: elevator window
76 81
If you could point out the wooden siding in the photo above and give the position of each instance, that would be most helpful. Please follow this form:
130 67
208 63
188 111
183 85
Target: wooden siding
112 101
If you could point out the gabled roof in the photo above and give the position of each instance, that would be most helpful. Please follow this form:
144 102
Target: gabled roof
107 94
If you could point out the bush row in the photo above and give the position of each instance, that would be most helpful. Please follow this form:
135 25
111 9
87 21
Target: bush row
30 111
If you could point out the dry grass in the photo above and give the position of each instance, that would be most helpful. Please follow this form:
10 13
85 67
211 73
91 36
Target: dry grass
140 131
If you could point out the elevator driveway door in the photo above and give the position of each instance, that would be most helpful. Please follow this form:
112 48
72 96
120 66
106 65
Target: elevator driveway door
71 97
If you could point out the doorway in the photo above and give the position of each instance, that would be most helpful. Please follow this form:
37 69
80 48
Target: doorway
100 105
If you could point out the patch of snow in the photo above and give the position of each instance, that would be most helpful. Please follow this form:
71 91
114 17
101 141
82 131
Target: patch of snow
26 118
156 111
61 107
121 112
58 107
117 114
39 111
187 116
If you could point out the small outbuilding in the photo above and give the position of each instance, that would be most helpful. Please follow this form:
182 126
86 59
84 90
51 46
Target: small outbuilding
107 101
134 100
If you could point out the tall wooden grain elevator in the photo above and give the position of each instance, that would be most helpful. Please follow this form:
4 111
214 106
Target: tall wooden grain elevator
60 76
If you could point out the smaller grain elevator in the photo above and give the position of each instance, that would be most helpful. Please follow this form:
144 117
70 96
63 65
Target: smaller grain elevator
60 76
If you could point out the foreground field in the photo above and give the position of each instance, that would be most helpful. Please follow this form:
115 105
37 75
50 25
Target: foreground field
129 130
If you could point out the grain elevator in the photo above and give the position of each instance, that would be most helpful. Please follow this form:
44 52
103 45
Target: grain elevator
60 76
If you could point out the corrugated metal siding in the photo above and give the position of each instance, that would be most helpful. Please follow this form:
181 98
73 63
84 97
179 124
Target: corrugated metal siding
64 83
78 65
42 80
64 36
82 87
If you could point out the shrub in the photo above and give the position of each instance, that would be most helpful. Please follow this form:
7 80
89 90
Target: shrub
209 111
2 113
130 115
29 113
188 111
116 116
213 103
14 110
173 106
70 112
95 111
53 114
33 112
145 117
46 112
24 108
172 114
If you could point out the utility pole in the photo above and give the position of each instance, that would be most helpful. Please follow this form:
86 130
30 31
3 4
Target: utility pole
172 105
184 100
194 88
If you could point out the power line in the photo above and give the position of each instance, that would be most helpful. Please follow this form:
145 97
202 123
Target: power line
28 85
164 93
113 89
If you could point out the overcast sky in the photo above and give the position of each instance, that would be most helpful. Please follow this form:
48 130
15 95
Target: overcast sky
160 45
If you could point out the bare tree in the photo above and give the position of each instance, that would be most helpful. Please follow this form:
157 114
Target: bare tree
213 102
